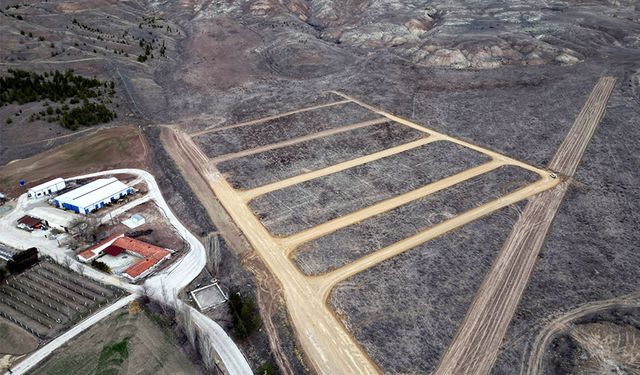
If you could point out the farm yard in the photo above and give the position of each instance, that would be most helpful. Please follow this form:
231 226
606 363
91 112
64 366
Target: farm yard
48 298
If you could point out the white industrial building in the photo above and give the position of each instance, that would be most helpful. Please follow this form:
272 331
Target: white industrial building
93 195
47 188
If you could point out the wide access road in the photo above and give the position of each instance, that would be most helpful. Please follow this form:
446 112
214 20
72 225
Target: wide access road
475 347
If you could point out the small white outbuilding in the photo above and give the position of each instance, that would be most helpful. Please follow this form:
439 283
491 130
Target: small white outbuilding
47 188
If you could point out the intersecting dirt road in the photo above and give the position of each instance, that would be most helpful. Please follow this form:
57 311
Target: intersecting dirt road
328 346
476 344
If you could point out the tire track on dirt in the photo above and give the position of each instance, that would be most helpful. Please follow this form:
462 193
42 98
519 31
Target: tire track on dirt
535 364
475 347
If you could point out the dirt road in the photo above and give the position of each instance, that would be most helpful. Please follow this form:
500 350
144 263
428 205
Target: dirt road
534 365
248 195
264 119
295 141
476 344
329 347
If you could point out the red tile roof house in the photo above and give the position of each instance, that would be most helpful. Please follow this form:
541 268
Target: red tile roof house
116 244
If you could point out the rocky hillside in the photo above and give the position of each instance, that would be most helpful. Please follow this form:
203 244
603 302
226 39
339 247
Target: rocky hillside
457 33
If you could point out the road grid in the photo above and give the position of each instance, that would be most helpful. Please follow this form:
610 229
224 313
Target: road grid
329 347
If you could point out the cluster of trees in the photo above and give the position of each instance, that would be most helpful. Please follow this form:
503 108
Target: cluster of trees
19 262
244 315
148 47
24 87
86 27
86 115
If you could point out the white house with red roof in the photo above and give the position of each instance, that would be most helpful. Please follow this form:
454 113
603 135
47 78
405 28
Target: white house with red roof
150 255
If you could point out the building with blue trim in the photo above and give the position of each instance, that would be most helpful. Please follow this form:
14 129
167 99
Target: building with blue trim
93 196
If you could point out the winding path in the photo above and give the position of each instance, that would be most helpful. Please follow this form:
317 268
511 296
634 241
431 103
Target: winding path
535 363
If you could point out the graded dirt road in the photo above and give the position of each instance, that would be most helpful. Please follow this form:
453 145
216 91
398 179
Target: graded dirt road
248 195
265 119
295 141
476 344
327 344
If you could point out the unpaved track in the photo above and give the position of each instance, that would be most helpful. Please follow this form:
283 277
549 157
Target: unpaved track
327 344
248 195
264 119
475 347
535 363
318 231
295 141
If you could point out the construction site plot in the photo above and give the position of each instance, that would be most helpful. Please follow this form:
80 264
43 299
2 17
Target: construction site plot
326 194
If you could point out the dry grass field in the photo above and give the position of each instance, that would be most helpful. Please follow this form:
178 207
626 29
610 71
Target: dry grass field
124 343
96 151
15 340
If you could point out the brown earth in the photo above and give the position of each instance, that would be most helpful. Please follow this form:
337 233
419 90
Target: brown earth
104 149
163 234
15 340
151 348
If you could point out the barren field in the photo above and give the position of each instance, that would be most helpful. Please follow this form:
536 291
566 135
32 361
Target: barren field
405 310
305 205
124 343
15 340
345 245
588 255
100 150
236 138
266 167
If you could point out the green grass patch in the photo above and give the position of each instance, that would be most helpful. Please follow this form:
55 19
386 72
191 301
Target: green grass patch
113 356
